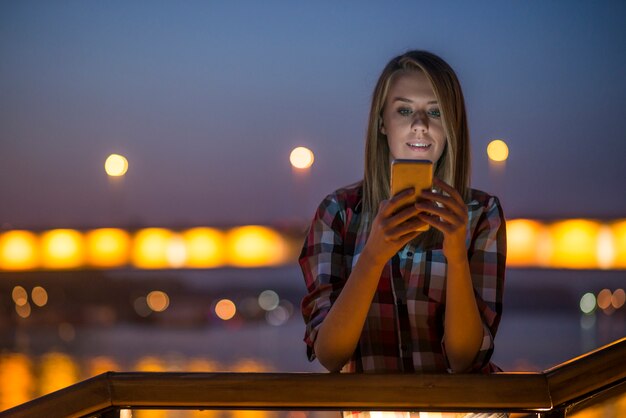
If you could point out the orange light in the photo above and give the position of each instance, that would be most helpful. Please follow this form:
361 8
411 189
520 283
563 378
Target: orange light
205 247
158 301
18 250
225 309
17 384
523 242
39 296
57 371
102 364
498 150
575 244
62 249
150 364
255 246
150 248
604 299
108 247
618 230
618 298
19 296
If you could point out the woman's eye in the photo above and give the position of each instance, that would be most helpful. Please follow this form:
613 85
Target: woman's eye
405 111
434 113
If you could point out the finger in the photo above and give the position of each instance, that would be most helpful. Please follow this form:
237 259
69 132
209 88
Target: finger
437 223
448 189
446 201
445 214
405 197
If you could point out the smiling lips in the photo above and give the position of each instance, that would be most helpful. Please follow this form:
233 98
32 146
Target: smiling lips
420 146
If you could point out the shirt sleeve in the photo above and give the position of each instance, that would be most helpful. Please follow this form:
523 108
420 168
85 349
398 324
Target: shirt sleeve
487 259
322 264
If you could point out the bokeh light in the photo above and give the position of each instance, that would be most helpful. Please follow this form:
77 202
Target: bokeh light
116 165
618 298
603 299
24 310
18 250
302 158
255 246
62 249
150 248
39 296
107 247
17 382
176 252
19 296
588 303
523 242
498 150
58 371
158 301
268 300
225 309
204 247
575 243
618 230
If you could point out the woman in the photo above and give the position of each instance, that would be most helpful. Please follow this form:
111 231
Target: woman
382 296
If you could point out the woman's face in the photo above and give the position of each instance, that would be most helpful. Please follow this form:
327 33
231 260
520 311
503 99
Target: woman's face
412 120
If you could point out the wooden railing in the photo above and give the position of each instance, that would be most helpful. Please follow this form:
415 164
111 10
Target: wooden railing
573 385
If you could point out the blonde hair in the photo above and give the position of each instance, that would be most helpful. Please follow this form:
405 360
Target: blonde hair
453 166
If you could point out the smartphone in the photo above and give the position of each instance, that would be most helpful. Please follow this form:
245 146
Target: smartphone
417 174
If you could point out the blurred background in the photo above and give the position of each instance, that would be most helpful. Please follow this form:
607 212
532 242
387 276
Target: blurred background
153 195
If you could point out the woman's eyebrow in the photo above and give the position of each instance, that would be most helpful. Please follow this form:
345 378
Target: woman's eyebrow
406 100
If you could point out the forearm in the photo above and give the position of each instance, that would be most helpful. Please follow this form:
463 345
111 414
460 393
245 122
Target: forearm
463 325
339 334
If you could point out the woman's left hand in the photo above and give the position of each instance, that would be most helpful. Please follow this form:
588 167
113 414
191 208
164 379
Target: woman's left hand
448 214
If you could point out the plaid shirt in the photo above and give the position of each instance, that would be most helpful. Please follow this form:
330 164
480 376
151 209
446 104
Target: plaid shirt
404 329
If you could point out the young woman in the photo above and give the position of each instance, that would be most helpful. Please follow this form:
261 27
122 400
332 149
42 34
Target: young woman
383 297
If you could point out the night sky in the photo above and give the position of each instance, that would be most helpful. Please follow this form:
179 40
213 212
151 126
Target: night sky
206 99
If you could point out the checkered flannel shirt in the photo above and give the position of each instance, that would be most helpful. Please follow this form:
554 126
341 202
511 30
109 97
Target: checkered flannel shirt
404 329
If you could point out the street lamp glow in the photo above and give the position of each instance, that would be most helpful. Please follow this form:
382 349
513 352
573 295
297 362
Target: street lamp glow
497 150
301 157
116 165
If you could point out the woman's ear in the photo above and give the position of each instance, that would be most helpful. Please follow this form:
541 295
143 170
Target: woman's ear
381 126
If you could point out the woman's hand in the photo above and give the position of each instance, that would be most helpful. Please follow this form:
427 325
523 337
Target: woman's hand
449 217
394 226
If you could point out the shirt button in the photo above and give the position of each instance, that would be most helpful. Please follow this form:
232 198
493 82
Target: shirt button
409 254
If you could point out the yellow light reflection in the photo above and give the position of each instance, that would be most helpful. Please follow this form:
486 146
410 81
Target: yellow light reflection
62 249
604 299
205 247
575 242
498 150
18 250
255 246
39 296
116 165
108 247
225 309
24 310
618 298
17 384
158 301
102 364
618 230
58 370
523 242
150 248
150 364
301 157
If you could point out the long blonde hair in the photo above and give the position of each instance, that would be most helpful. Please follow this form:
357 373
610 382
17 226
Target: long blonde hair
453 166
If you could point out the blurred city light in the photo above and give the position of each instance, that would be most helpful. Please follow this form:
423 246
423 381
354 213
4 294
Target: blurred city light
575 244
618 232
58 371
62 249
523 242
176 252
24 310
39 296
158 301
618 298
17 383
301 157
116 165
497 150
255 246
150 248
268 300
588 303
603 299
205 247
225 309
18 250
108 247
141 306
19 296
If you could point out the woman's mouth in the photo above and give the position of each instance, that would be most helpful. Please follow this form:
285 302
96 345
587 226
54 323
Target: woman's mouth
419 146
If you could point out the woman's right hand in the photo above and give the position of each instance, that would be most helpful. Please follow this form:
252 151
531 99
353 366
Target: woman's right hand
393 227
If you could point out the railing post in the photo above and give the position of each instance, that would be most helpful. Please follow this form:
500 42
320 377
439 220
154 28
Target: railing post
554 413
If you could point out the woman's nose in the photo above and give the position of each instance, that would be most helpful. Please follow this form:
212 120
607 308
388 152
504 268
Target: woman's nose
419 123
